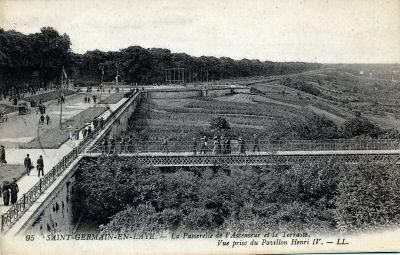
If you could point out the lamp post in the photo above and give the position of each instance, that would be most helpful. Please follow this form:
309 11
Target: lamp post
61 103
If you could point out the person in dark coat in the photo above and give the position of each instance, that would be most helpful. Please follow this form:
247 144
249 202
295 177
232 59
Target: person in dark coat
89 131
2 155
28 164
41 120
84 132
76 133
40 166
6 193
47 119
14 191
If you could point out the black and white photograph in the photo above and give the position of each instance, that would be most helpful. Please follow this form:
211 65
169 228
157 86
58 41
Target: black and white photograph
198 127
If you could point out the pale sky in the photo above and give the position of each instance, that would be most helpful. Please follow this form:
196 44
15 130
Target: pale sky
326 31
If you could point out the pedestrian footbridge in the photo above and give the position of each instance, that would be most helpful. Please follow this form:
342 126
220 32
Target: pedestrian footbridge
257 158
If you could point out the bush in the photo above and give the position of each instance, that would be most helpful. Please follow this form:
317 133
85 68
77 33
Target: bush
300 85
359 126
314 127
219 124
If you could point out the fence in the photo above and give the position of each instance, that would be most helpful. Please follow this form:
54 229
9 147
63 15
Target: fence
15 212
236 147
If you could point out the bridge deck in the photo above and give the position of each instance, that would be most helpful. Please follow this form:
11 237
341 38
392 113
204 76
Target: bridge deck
258 158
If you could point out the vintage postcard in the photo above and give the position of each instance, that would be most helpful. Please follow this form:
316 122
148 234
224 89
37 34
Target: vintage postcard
199 127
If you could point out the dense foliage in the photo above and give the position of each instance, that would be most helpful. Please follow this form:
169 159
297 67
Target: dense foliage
34 59
37 59
318 127
369 197
312 196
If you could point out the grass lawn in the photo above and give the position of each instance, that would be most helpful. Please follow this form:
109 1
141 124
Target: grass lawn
54 138
49 96
8 172
8 108
113 99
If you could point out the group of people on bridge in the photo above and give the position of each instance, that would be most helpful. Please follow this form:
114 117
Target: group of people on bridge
218 145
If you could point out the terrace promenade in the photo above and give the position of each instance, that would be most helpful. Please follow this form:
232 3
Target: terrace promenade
21 129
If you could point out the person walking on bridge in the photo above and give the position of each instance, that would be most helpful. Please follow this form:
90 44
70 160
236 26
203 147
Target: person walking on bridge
216 145
165 144
203 148
242 149
28 164
227 146
14 191
40 166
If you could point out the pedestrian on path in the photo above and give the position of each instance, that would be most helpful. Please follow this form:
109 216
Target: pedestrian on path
76 133
203 142
84 132
41 119
28 164
5 190
40 166
242 149
227 146
47 119
2 155
89 131
215 147
14 191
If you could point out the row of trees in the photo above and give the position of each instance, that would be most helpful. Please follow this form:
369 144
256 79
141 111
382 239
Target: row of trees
314 196
139 65
37 59
34 59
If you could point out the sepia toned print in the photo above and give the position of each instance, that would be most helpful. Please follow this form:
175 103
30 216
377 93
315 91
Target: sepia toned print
199 127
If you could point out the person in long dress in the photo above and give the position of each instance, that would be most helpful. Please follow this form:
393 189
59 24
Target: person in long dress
14 191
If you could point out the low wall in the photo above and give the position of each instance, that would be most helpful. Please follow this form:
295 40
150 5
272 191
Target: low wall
174 94
57 215
189 93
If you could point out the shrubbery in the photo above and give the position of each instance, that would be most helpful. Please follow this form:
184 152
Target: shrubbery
313 196
205 198
369 197
300 85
